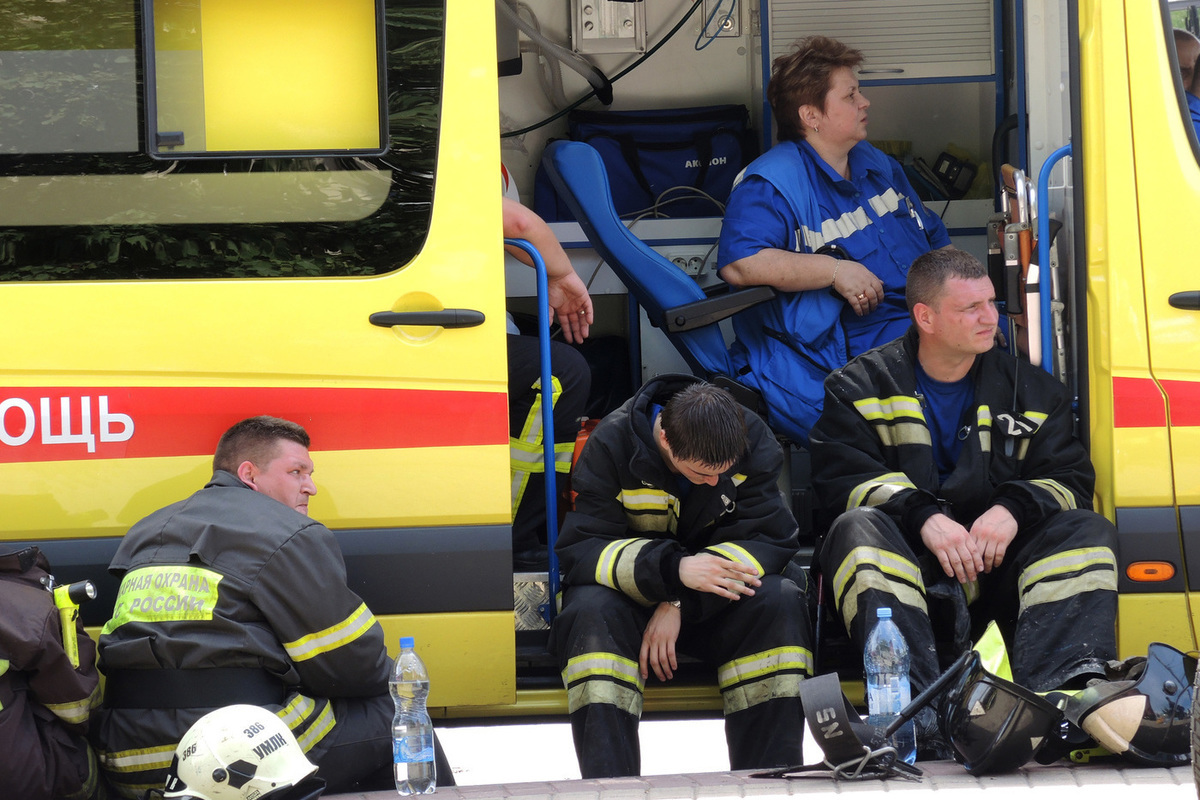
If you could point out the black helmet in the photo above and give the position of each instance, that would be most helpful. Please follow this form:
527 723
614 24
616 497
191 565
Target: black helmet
994 725
1145 718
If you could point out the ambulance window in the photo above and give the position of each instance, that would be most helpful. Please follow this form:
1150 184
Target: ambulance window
1184 38
265 77
83 198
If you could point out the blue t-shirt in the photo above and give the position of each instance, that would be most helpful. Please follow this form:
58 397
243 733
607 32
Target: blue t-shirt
1194 108
946 406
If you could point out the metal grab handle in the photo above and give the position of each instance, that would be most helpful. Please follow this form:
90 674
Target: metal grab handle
1188 301
447 318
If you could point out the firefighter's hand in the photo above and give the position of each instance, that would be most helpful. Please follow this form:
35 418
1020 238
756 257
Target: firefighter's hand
993 532
954 547
720 576
572 306
858 286
658 643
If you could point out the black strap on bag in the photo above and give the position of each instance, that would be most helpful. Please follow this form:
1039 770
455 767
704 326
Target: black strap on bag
831 720
192 688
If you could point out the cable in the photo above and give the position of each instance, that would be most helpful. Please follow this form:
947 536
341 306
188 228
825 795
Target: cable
720 25
612 80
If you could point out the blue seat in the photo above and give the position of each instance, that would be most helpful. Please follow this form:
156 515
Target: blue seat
674 302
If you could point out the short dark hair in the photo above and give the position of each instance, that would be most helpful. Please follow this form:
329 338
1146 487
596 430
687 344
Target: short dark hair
802 78
256 440
928 274
704 423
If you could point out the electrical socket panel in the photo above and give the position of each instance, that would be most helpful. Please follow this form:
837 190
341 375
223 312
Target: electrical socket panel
693 260
728 14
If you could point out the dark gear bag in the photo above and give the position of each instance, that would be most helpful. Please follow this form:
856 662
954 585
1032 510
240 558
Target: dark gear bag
650 152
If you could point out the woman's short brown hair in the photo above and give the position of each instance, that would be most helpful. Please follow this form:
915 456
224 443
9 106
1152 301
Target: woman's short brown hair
802 78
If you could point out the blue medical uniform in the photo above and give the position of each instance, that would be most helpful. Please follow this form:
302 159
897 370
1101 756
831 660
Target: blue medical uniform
790 199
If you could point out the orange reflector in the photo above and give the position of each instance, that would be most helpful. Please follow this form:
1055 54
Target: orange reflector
1150 571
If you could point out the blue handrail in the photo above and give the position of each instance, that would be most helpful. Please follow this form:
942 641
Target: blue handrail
1043 236
548 465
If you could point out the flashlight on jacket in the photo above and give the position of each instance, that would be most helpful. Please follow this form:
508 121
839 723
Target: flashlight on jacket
67 599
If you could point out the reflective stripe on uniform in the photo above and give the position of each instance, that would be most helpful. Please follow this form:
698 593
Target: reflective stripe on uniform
751 680
129 762
78 711
736 553
650 510
526 454
1066 575
1062 495
603 678
879 490
851 222
333 637
321 725
866 568
896 420
983 422
615 568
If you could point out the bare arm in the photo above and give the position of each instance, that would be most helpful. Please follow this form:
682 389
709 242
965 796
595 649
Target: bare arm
799 272
569 297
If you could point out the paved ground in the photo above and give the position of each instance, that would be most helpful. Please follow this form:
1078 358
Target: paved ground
685 759
948 779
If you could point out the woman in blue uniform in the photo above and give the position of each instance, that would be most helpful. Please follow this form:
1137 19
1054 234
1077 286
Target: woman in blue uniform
832 223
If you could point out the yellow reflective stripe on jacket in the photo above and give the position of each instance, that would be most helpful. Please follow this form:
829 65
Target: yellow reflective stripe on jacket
1066 575
1064 496
615 568
78 711
889 408
333 637
866 568
738 478
879 490
138 760
755 679
735 552
166 593
983 420
649 510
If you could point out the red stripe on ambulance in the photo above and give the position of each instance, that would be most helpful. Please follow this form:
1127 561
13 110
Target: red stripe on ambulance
1138 403
69 423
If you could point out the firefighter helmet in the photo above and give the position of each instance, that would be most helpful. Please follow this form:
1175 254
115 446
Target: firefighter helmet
240 752
1145 717
994 725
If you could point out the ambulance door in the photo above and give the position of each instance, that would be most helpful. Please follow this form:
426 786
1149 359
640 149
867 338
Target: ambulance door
1155 285
328 251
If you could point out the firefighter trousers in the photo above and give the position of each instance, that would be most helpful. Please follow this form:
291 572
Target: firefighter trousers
1054 597
761 648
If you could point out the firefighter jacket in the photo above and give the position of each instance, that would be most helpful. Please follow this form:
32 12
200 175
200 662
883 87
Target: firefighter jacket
872 447
630 530
45 700
229 579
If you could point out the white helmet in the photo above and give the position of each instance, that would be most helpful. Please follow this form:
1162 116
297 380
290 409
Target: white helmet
240 752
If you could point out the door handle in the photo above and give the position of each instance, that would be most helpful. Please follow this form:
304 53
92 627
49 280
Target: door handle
1189 301
447 318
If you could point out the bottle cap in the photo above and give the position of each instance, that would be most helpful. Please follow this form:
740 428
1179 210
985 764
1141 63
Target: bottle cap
883 613
407 641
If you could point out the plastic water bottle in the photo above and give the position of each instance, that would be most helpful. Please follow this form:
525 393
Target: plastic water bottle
412 730
886 662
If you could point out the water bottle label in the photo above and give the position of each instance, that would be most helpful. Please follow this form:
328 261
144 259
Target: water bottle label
414 749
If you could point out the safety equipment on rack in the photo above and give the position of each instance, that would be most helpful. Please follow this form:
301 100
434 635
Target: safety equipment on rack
241 752
839 732
1145 715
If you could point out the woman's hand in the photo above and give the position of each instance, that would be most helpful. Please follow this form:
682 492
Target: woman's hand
859 286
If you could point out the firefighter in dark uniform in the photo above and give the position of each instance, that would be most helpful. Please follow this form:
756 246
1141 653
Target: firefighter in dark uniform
46 700
676 545
951 458
235 596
